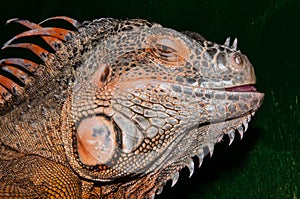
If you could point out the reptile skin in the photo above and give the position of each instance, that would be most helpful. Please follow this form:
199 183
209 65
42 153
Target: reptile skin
116 108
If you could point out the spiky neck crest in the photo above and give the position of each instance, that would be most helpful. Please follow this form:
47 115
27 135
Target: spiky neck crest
24 79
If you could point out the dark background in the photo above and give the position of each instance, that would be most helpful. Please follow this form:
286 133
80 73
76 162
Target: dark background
266 163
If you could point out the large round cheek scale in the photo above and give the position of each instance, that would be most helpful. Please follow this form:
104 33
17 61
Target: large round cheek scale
96 141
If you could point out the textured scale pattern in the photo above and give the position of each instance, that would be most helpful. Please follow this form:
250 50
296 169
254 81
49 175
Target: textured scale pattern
117 109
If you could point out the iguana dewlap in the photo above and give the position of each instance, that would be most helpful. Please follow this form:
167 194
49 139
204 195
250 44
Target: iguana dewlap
116 108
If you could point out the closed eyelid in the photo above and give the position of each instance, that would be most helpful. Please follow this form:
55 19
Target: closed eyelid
165 48
167 42
169 48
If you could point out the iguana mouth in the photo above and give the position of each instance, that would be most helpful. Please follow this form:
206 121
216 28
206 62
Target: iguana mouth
238 124
243 88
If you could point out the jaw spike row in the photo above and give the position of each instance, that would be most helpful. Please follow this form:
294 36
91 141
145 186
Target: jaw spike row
248 118
220 138
200 157
175 179
245 123
241 132
235 43
231 135
152 196
227 42
211 149
191 167
159 190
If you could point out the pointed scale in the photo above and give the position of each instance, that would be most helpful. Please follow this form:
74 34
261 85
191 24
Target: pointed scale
175 178
211 147
245 123
159 190
23 63
191 167
235 43
73 22
58 33
200 157
39 51
231 135
241 132
51 41
227 42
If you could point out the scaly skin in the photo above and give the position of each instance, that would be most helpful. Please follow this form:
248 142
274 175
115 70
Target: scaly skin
118 109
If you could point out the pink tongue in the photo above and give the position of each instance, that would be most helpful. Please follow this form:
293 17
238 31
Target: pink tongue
245 88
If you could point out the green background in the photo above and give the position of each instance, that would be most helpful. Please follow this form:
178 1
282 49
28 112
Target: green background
266 163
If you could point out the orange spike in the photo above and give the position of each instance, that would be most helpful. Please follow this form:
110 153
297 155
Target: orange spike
24 63
10 85
21 75
52 41
4 95
74 22
39 51
24 22
58 33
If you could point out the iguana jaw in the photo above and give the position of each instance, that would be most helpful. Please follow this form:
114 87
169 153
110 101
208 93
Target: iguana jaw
157 179
202 144
200 150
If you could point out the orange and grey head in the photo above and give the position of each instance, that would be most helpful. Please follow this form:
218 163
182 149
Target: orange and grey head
145 99
148 97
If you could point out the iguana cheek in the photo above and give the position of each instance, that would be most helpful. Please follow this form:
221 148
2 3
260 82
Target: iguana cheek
96 141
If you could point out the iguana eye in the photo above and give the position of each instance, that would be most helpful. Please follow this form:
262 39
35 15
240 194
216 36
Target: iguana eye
165 53
165 49
166 45
168 50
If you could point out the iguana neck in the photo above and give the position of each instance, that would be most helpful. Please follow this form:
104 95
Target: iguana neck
34 127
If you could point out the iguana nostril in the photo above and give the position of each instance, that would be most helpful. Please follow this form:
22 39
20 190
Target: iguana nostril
237 59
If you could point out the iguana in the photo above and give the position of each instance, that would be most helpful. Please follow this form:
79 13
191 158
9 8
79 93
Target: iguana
116 108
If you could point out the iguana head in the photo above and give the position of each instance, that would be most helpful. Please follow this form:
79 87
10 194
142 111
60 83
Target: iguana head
147 97
144 99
